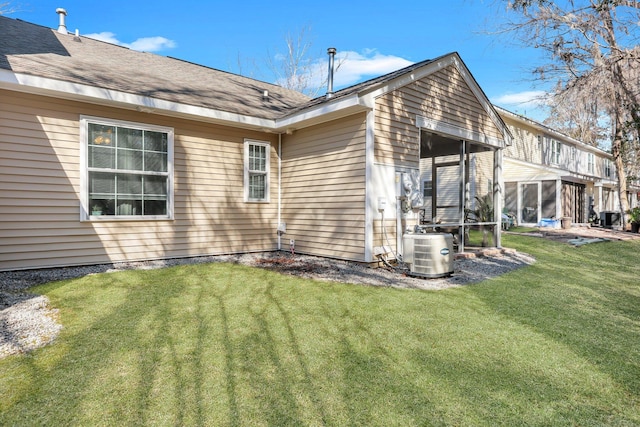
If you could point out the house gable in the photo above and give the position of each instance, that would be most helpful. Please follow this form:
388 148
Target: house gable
443 102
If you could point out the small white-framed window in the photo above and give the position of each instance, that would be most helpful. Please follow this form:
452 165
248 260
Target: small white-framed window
556 148
591 163
256 171
127 170
427 189
607 168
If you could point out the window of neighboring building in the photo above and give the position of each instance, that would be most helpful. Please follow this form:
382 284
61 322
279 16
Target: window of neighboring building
607 168
556 146
256 171
591 163
427 189
127 171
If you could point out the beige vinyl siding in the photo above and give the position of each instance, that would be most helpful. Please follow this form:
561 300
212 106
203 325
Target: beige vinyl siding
482 175
40 191
442 96
323 181
525 145
387 236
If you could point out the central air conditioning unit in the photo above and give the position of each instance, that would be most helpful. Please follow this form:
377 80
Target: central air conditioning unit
428 255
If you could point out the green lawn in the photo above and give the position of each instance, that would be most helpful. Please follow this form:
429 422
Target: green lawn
556 343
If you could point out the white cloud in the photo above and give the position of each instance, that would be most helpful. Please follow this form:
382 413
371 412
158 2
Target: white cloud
354 67
146 44
350 68
526 99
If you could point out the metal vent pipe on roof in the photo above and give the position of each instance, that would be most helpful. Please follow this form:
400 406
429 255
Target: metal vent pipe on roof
332 53
62 28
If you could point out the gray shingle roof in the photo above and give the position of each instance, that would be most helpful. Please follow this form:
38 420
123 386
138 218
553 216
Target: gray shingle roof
35 50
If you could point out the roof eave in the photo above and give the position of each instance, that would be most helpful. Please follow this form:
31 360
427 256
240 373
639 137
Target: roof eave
324 112
107 97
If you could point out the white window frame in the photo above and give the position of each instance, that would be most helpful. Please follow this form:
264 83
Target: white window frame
247 172
427 184
85 213
591 163
608 168
556 149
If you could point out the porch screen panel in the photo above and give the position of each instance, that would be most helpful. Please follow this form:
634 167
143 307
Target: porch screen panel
511 197
448 193
548 199
530 203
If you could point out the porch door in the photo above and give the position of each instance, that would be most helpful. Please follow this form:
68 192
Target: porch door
529 202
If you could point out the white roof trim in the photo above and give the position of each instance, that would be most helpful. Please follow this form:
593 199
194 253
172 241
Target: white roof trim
457 132
75 91
323 109
411 77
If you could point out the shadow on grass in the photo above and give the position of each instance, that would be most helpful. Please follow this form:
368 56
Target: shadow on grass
586 298
229 345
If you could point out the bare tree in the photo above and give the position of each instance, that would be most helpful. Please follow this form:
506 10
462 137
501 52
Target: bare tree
590 47
576 114
298 68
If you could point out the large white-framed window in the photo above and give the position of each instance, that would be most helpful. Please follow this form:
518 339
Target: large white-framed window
256 171
127 170
591 163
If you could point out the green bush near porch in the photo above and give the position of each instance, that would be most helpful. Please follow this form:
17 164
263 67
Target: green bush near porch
555 343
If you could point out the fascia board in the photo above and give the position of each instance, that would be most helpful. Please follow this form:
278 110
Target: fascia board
317 113
406 79
74 91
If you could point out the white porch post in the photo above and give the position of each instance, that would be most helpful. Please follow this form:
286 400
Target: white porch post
498 194
463 195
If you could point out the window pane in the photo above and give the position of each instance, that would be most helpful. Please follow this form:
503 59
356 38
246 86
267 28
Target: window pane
155 207
102 183
257 186
155 186
102 157
155 162
129 185
129 207
155 141
129 160
130 138
101 134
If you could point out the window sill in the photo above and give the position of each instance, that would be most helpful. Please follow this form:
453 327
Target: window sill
111 218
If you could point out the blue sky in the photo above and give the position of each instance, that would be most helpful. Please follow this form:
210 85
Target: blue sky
373 37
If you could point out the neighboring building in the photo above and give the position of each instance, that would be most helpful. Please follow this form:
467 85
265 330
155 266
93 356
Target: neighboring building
550 175
108 154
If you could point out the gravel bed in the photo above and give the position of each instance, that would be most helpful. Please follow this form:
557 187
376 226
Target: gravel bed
28 322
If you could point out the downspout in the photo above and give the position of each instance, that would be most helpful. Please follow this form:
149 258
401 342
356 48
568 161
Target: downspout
369 187
279 191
